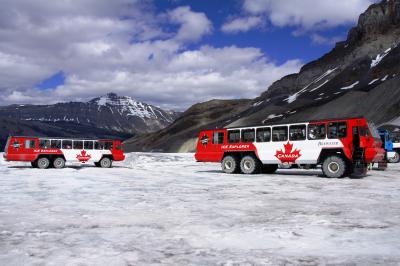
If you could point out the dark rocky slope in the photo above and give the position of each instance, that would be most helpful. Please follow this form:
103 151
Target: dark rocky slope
181 135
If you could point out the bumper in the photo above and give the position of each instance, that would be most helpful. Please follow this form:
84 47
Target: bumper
374 155
119 157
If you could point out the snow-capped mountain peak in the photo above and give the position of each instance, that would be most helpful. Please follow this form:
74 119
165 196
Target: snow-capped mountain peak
129 106
109 112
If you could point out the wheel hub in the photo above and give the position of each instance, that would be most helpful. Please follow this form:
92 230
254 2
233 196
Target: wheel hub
247 165
333 167
228 165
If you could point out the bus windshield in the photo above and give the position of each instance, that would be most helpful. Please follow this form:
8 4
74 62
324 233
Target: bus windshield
374 130
395 136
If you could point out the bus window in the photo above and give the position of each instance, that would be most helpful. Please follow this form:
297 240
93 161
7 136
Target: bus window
88 145
108 145
337 130
342 129
263 134
332 130
234 136
67 144
248 135
98 145
297 132
55 144
44 143
279 134
316 131
16 144
218 138
30 144
78 144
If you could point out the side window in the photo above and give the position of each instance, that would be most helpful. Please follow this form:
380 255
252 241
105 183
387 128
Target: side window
16 144
108 145
342 129
234 136
204 140
264 134
297 132
248 135
88 145
30 144
98 145
67 144
279 134
78 144
55 144
316 131
218 138
44 143
363 131
332 130
337 130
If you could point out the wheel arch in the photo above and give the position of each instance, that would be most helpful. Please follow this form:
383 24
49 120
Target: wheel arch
51 157
110 156
240 154
325 153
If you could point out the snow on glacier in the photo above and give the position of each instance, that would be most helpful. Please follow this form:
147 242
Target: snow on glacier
373 81
385 77
350 86
167 209
319 86
294 96
379 58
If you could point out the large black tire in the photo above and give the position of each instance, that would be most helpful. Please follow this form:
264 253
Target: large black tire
269 168
230 164
334 167
105 162
34 164
43 163
394 159
59 163
250 165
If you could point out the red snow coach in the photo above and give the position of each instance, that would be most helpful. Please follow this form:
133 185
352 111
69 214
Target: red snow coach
55 152
341 146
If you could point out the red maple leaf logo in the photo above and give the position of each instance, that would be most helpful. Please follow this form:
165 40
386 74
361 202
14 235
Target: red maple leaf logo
83 157
288 156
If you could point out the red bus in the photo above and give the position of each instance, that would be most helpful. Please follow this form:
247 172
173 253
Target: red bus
340 146
45 152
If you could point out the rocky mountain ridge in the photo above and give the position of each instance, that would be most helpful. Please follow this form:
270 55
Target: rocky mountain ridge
359 77
106 116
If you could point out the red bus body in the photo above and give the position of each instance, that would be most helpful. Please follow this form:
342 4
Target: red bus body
354 140
30 149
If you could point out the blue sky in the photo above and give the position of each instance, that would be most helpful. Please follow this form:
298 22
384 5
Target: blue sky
171 53
278 42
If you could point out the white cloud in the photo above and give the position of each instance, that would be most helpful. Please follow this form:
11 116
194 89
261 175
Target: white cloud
193 24
242 24
126 47
308 14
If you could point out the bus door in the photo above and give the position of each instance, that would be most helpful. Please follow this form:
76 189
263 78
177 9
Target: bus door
29 146
215 145
356 137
